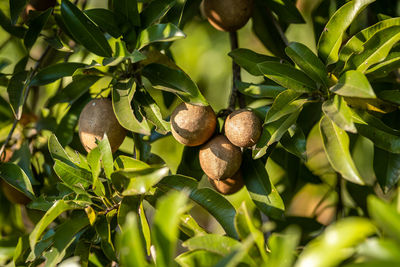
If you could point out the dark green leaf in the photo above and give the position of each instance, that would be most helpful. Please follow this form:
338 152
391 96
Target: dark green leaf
308 62
338 111
84 30
284 104
382 69
103 230
159 33
259 90
387 168
332 36
54 72
128 10
248 60
57 152
5 23
72 176
336 145
16 7
294 142
121 53
353 83
16 91
35 27
287 76
105 19
174 80
262 191
155 10
16 177
286 11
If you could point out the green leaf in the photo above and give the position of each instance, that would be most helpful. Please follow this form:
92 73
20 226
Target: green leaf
259 90
284 104
106 156
54 72
121 53
294 142
72 176
105 19
93 158
283 247
128 10
382 69
5 23
287 76
262 191
220 208
84 30
332 247
338 111
57 152
122 95
58 207
379 249
16 89
353 83
336 146
64 236
35 27
103 229
165 227
355 44
332 36
152 112
286 11
375 49
308 62
159 33
130 243
387 168
386 217
175 81
249 60
198 258
237 256
127 163
16 7
155 10
16 177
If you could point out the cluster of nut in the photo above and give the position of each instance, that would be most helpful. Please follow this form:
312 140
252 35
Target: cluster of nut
220 156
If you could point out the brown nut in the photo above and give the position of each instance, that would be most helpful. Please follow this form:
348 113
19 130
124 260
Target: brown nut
97 118
243 128
219 158
193 125
228 186
228 15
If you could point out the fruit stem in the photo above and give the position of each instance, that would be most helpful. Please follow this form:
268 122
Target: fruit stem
235 94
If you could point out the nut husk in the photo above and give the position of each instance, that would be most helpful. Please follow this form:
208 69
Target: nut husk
228 15
193 125
97 118
228 186
243 128
219 158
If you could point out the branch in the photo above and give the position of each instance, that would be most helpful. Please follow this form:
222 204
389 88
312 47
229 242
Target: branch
33 72
235 94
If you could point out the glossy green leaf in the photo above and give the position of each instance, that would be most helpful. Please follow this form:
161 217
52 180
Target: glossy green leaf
159 33
128 10
105 19
262 191
336 146
387 168
58 207
175 81
72 175
332 247
214 203
152 112
155 10
16 89
382 69
35 27
122 95
54 72
128 163
165 228
386 217
338 111
294 142
332 36
259 90
16 177
57 152
236 257
355 44
284 104
198 258
93 158
16 7
353 83
283 247
308 62
379 248
249 60
131 247
121 53
5 23
375 49
286 11
287 76
84 30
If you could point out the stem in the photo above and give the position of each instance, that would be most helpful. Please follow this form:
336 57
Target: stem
33 72
235 94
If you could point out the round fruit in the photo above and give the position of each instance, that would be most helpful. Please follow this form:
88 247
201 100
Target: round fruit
97 118
243 128
13 195
193 125
228 186
42 5
219 158
228 15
